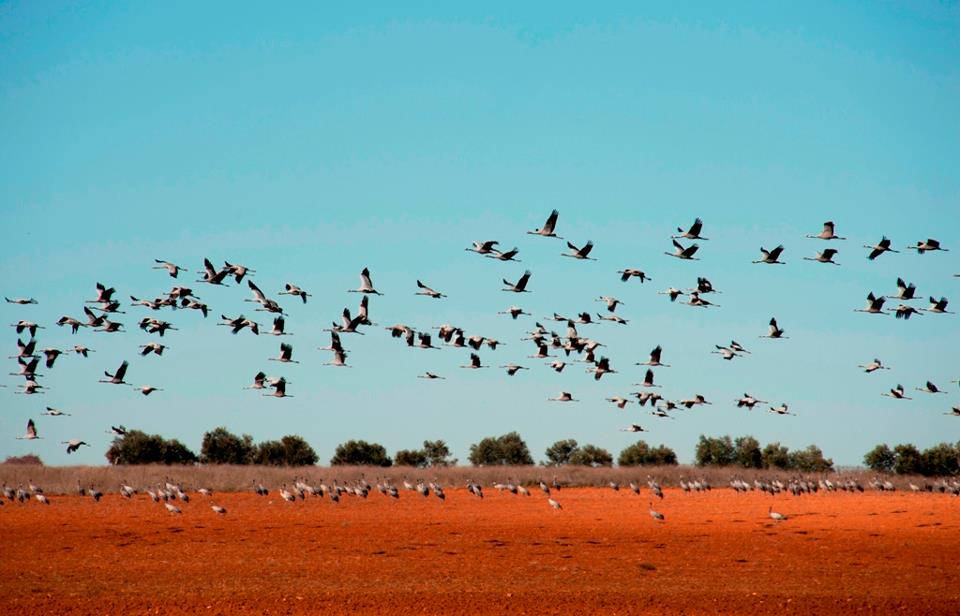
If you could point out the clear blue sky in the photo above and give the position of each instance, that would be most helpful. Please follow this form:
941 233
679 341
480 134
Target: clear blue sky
310 141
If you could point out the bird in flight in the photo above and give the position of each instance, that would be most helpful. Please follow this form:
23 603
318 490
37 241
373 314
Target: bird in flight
547 230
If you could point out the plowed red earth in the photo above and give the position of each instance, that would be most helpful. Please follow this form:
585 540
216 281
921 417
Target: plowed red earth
716 553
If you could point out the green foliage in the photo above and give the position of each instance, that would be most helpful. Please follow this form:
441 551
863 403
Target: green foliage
221 447
640 454
438 454
715 451
591 455
810 460
411 457
360 453
748 454
880 459
291 450
560 452
136 447
908 460
30 458
507 449
775 455
942 459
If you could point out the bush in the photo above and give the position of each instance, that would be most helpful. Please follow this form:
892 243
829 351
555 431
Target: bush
942 459
747 452
411 457
640 454
775 455
715 451
560 452
908 460
880 459
221 447
438 454
136 447
360 453
810 460
591 455
30 458
508 449
291 450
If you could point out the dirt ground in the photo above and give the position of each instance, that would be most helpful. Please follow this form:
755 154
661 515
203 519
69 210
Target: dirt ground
716 553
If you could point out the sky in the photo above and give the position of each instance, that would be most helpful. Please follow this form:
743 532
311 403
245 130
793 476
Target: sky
309 141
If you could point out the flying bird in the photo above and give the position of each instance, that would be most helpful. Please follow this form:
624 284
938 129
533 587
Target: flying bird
693 233
771 257
824 256
31 433
683 253
292 289
879 248
564 397
366 285
897 393
425 290
827 233
873 366
520 286
547 230
22 301
579 253
654 358
874 305
927 246
74 444
483 248
634 428
117 377
171 268
775 331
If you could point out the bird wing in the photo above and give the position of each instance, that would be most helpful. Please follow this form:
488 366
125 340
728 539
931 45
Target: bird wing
691 250
551 223
365 282
121 371
775 253
583 252
696 227
257 293
522 283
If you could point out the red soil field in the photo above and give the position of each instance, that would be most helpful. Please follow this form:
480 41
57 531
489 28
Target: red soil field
716 553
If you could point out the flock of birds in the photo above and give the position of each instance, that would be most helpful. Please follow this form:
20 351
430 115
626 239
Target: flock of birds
556 350
170 492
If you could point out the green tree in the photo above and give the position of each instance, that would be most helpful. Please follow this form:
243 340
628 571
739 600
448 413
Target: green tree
560 452
642 454
291 450
748 454
880 459
507 449
221 447
360 453
715 451
438 454
909 461
775 455
941 460
411 457
810 460
591 455
136 447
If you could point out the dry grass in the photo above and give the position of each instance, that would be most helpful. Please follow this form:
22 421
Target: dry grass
226 478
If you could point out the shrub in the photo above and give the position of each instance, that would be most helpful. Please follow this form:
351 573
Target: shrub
411 457
30 458
642 454
560 452
507 449
908 460
136 447
591 455
810 460
360 453
221 447
880 459
747 452
438 454
775 455
942 459
291 450
715 451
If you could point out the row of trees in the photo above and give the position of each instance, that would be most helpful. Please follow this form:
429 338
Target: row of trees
219 446
939 460
745 452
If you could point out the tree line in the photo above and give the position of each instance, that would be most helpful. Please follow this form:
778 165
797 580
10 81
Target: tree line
219 446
